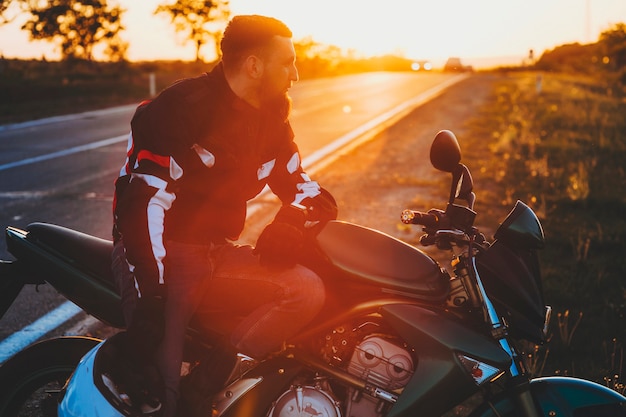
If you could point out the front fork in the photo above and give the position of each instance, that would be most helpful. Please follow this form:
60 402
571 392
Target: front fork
519 384
520 389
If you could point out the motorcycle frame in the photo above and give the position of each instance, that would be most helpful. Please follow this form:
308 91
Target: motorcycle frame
435 337
41 263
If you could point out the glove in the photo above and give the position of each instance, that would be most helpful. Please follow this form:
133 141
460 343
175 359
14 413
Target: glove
281 241
322 207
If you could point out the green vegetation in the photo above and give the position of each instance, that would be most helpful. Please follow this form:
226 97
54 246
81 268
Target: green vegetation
558 142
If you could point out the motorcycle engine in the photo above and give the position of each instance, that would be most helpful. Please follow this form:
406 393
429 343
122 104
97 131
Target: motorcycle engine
363 350
382 364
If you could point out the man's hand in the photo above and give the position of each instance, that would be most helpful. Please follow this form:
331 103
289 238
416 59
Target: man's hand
280 242
320 209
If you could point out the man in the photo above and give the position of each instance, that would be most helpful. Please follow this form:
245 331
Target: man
197 153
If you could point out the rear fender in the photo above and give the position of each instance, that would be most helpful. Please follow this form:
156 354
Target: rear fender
563 397
11 283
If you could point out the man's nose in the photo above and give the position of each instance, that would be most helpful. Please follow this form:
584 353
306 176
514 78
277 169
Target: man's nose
294 74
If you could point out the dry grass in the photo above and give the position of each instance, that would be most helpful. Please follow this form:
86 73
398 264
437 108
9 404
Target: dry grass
558 142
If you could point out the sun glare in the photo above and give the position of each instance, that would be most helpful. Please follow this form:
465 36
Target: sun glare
416 29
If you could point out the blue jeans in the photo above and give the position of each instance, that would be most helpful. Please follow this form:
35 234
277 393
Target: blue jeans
210 283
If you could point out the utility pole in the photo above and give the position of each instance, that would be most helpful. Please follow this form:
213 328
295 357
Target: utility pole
588 21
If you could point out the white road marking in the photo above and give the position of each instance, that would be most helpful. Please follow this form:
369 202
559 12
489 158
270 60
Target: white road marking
65 152
31 333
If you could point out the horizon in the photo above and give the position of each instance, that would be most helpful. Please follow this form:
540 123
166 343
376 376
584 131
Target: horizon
481 33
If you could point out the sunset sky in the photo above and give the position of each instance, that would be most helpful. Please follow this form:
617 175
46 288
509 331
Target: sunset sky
417 29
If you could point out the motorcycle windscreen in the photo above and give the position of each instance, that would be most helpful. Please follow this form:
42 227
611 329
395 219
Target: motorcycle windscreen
521 228
512 280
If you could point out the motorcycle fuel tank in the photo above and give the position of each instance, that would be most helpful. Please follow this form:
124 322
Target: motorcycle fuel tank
364 254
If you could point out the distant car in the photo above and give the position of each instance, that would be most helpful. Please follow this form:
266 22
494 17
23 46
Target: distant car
421 66
454 64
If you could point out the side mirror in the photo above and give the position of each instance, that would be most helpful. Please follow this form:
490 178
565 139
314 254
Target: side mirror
445 152
462 186
445 155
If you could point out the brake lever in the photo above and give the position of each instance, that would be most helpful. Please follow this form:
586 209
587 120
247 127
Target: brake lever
444 238
453 234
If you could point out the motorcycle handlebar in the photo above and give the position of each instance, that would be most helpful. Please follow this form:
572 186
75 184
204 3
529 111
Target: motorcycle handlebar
430 219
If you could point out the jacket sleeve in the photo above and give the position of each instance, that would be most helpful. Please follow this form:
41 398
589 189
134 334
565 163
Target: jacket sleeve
288 179
295 188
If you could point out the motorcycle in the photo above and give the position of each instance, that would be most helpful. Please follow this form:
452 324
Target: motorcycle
399 334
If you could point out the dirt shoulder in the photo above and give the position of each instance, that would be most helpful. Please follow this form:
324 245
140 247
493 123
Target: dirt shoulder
392 172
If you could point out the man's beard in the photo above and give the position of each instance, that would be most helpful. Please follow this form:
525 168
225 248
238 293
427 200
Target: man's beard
277 105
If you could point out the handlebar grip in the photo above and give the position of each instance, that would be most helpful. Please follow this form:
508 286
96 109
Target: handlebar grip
417 217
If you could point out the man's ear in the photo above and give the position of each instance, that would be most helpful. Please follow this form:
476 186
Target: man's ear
254 66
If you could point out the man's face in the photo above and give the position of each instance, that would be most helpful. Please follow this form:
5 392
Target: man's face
279 70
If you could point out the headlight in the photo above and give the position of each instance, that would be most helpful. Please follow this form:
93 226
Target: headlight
479 371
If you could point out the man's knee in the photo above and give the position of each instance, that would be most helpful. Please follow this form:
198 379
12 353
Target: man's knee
309 291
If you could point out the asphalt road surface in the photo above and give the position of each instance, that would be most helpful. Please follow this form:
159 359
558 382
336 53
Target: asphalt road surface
61 170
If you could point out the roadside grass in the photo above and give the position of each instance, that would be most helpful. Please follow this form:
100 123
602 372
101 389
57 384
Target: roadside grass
558 143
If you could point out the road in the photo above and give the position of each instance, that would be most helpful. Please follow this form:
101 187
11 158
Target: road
61 170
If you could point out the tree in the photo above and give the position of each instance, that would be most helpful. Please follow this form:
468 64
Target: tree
614 41
201 21
78 25
4 5
20 6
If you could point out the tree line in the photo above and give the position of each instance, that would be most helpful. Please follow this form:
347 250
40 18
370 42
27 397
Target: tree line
77 26
606 56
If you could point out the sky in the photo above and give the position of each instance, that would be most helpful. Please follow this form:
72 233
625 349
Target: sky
475 30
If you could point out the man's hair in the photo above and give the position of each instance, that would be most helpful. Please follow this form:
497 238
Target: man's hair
248 33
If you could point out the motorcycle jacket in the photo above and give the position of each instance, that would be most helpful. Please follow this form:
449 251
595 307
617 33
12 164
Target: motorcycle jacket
196 154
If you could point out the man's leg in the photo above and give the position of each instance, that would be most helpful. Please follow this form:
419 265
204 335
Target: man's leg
124 280
188 270
275 304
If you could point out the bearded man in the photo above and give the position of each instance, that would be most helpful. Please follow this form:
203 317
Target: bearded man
197 153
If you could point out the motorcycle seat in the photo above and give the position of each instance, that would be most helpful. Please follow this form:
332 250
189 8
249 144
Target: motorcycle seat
88 253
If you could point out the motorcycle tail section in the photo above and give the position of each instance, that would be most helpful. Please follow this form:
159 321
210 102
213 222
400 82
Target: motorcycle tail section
75 264
11 284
